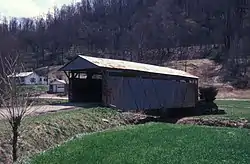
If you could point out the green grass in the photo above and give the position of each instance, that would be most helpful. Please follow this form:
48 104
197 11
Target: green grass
43 132
39 101
34 88
155 143
40 133
235 109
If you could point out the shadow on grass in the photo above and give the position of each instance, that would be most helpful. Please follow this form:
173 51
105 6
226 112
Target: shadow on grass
80 105
173 115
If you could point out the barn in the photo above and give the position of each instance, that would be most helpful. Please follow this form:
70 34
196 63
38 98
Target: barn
129 85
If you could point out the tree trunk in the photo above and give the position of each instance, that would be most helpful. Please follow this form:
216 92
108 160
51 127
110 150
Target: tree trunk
14 143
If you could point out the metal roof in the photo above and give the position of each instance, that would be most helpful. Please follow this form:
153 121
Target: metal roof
22 74
128 65
57 81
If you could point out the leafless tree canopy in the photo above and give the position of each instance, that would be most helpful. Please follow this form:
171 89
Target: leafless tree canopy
15 105
13 98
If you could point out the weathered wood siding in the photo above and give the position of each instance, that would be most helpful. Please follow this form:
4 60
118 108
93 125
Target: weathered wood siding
132 93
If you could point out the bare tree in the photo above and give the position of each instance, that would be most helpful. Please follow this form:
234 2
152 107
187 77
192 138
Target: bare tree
14 99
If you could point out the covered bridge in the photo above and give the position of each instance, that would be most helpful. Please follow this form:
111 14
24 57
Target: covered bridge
129 85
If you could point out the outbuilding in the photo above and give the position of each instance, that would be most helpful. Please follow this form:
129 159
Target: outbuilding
129 85
57 86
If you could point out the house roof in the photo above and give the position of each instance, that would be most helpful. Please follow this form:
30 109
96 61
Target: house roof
22 74
57 81
122 65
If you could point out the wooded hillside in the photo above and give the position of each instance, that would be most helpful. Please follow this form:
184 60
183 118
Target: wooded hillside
151 31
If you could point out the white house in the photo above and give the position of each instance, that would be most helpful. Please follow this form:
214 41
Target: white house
57 86
30 78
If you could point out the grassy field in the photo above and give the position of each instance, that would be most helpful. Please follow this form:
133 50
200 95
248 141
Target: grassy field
49 130
155 143
235 109
40 133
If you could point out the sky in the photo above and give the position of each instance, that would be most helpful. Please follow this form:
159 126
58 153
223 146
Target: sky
29 8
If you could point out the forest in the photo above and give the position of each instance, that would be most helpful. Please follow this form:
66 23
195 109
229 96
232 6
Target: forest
151 31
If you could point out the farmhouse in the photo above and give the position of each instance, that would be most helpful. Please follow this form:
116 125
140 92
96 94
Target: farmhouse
129 85
29 78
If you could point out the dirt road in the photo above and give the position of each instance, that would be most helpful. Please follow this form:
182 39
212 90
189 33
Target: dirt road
52 97
37 110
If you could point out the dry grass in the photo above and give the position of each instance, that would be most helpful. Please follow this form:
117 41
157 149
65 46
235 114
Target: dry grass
49 130
237 115
207 70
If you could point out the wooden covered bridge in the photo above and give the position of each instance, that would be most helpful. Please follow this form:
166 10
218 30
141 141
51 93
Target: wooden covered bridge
129 85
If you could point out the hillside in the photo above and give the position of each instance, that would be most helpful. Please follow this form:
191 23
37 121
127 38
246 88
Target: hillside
52 72
162 29
211 73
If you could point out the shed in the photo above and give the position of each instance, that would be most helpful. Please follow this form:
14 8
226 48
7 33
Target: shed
57 86
129 85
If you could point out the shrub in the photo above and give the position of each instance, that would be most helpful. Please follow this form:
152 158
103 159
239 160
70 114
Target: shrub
204 107
208 93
